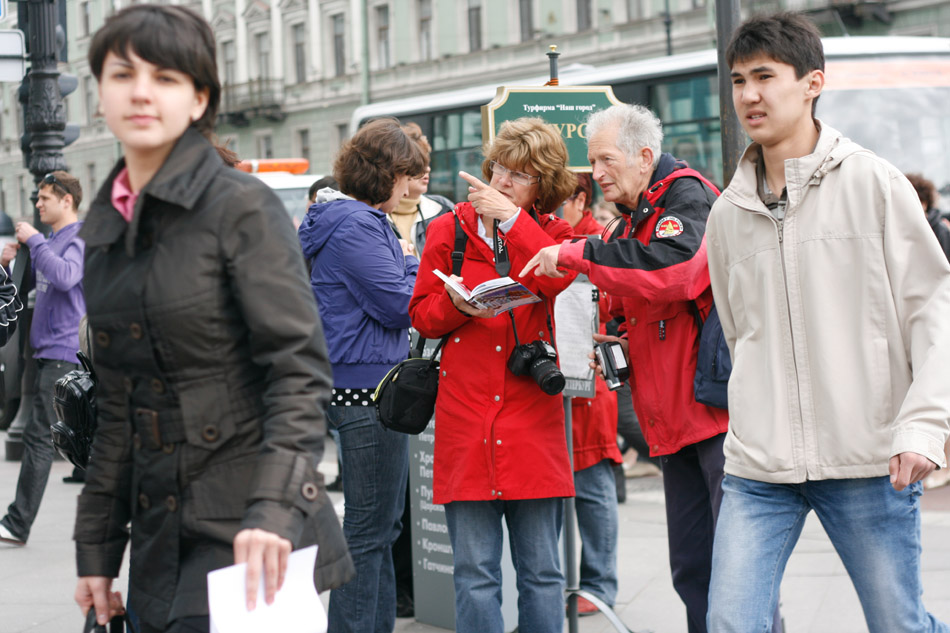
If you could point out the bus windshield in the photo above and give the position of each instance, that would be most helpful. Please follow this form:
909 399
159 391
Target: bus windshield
898 107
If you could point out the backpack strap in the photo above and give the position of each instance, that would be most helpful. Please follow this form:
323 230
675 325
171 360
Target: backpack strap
458 254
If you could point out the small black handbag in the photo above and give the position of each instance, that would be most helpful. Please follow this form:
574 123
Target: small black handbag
74 401
405 397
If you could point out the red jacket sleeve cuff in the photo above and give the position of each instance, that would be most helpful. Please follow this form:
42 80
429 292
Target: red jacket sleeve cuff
571 255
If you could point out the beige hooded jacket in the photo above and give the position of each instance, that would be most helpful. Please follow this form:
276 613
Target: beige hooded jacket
837 318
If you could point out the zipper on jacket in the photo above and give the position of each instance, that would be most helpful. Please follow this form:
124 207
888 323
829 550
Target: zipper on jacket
791 334
662 329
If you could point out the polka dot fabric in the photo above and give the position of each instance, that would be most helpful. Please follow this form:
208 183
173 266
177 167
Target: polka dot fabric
352 397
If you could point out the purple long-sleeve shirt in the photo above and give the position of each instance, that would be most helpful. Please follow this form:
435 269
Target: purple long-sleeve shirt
60 304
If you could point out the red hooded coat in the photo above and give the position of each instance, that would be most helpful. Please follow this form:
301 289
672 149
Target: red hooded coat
497 435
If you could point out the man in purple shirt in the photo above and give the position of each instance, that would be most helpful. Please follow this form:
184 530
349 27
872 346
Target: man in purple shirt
54 335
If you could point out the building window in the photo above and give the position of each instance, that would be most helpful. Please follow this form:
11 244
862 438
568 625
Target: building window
303 143
84 22
634 10
300 53
91 179
474 25
3 198
342 132
526 16
382 36
425 30
262 44
339 50
584 21
229 54
265 146
89 97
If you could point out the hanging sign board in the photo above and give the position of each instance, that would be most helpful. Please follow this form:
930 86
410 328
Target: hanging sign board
576 316
12 55
565 108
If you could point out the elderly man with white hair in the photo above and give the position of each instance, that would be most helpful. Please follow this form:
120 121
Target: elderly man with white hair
654 268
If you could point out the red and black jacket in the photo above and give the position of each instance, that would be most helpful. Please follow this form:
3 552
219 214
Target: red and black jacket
653 265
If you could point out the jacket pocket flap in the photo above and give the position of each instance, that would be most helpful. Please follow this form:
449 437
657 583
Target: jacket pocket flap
207 414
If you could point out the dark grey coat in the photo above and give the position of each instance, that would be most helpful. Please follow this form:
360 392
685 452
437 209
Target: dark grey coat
213 378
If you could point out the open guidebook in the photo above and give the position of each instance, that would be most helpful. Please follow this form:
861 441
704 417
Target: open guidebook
499 294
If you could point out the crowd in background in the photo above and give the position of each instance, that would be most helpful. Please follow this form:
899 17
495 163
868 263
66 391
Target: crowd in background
217 387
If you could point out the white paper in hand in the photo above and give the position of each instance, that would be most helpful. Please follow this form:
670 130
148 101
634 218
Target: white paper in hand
296 609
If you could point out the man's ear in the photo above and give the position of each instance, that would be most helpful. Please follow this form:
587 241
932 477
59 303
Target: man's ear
68 199
816 83
646 160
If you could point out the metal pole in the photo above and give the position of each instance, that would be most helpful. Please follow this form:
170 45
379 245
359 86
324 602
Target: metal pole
733 137
552 56
668 22
570 537
364 67
46 115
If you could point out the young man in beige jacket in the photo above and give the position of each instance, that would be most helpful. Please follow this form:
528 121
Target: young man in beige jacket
834 298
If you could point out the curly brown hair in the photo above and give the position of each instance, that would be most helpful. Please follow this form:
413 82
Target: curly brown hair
531 141
925 189
369 163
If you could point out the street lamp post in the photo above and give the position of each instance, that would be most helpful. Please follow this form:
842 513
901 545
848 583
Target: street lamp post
45 118
46 114
733 138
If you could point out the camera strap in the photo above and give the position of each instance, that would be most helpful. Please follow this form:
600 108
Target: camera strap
502 263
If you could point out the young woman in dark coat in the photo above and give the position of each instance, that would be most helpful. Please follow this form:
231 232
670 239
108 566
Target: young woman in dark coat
208 346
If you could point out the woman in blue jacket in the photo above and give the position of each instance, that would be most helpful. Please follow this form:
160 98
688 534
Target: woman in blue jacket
363 277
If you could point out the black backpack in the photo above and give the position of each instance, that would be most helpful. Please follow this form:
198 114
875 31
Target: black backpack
713 363
74 401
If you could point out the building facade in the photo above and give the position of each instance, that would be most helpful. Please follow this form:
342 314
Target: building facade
293 71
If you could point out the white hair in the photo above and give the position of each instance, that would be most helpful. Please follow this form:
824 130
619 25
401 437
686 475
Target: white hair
637 128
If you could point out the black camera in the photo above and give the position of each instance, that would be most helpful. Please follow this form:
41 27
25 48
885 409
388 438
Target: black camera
538 359
613 363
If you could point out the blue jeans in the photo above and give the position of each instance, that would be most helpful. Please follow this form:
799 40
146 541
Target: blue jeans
597 523
476 534
874 528
38 451
375 471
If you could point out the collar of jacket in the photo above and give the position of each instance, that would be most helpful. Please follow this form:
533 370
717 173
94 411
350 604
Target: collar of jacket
180 181
800 173
664 167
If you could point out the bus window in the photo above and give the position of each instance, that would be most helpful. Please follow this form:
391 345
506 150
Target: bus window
689 109
699 144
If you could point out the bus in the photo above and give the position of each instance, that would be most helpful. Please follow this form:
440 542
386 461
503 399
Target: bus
890 94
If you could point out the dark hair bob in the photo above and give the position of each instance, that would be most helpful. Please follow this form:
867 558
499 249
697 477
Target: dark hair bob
369 163
171 37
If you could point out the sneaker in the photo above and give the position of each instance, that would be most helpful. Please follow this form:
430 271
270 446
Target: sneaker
6 536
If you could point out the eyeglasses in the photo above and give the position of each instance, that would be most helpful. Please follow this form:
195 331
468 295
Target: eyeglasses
518 177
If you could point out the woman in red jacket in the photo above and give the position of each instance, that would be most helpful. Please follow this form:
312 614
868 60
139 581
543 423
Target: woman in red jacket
500 449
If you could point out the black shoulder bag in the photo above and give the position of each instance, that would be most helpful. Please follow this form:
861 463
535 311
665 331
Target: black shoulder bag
74 401
405 397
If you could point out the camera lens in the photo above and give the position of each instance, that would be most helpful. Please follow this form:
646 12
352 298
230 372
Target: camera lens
548 376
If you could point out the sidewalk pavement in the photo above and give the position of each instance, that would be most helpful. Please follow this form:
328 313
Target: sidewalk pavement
37 581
